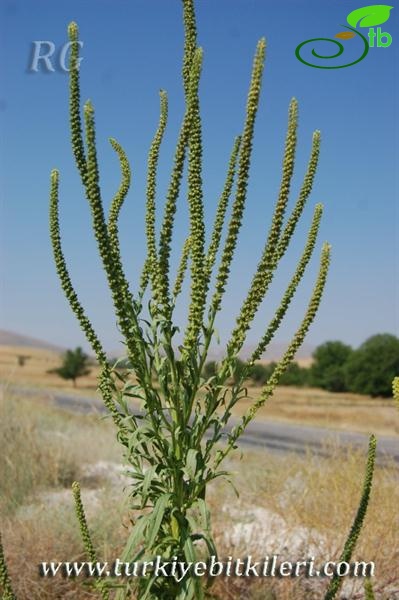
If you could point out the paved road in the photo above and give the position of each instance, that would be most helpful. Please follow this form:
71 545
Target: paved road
273 435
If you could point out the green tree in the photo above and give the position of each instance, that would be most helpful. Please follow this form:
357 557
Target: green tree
295 375
328 369
74 365
372 367
22 358
260 373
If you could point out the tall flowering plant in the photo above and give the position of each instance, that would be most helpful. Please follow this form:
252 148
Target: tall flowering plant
173 446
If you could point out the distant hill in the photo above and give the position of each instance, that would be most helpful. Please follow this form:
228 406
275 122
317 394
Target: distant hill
9 338
274 352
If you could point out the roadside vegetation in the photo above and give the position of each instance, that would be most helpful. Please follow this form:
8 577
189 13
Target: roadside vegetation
336 367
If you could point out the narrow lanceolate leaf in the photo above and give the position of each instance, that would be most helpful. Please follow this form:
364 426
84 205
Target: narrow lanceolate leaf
291 289
5 581
86 538
267 264
354 533
157 516
153 157
135 539
119 197
289 354
242 176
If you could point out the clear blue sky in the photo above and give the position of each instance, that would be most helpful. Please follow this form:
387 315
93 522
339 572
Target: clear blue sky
131 50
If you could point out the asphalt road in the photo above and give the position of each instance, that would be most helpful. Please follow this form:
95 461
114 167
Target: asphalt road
276 436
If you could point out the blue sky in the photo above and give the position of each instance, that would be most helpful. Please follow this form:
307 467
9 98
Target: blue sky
131 50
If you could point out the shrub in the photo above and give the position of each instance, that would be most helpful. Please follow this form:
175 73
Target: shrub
210 369
371 368
295 375
328 368
260 373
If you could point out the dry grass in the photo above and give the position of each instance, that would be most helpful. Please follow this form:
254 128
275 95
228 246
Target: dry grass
44 447
311 406
289 504
298 507
44 532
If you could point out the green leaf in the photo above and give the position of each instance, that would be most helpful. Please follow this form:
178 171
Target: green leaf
135 538
156 519
204 512
149 588
191 463
191 557
149 476
369 16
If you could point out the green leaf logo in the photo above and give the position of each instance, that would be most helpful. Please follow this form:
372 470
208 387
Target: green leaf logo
369 16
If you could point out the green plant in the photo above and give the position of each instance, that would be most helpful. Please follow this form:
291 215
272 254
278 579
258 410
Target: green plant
259 374
21 358
372 367
5 582
328 368
172 447
170 460
74 365
88 544
395 390
295 375
240 371
358 521
368 590
210 369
